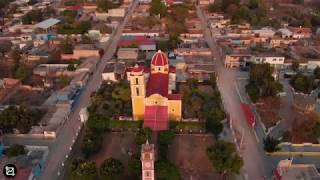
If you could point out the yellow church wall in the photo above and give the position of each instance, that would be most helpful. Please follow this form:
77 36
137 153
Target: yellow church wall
174 109
138 108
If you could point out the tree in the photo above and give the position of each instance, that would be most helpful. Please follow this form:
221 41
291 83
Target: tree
83 170
271 144
92 143
214 7
105 5
111 169
261 82
66 46
213 126
5 46
15 150
254 4
143 135
166 137
295 66
166 170
98 123
298 1
16 55
158 8
71 67
316 72
20 73
134 167
301 83
223 155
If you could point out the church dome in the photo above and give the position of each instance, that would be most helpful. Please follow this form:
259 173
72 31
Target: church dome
159 59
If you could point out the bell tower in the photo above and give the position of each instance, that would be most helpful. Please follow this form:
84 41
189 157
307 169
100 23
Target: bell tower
138 91
147 160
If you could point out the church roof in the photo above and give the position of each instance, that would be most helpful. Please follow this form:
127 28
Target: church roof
158 84
159 59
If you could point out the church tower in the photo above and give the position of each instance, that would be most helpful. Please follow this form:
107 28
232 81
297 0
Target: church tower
147 160
138 91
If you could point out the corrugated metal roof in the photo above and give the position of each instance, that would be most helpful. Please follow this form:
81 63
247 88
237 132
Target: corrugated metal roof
47 23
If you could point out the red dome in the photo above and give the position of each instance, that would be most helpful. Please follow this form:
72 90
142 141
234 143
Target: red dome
159 59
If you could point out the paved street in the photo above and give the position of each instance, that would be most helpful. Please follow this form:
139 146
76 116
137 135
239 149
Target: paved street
252 152
69 131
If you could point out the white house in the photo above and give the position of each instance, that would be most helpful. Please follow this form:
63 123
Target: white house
272 59
264 32
285 33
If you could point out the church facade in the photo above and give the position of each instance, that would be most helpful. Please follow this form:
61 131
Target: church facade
151 93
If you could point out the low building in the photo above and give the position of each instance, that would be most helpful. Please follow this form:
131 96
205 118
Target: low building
142 42
89 65
85 51
300 32
50 69
286 170
47 24
193 52
285 33
80 79
236 60
271 58
114 71
117 12
128 54
264 32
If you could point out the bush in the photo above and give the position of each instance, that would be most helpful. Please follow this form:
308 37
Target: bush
166 170
15 150
143 135
111 169
117 124
83 170
91 144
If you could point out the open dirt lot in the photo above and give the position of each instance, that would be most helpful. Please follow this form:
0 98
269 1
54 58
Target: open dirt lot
117 145
188 152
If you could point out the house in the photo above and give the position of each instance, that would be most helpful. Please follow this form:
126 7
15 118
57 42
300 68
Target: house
236 60
192 51
300 32
21 28
50 69
114 71
147 33
285 33
102 16
67 93
128 53
271 58
47 24
117 12
264 32
205 2
142 42
313 63
80 79
85 51
286 170
89 65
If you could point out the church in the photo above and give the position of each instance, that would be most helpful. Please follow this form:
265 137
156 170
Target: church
151 93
